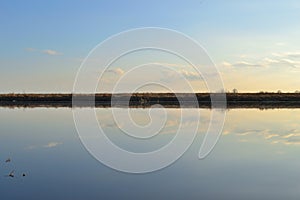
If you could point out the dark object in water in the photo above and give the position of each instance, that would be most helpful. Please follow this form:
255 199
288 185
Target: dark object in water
7 160
23 174
11 174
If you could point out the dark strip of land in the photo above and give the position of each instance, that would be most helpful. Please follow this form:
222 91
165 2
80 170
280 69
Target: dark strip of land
143 100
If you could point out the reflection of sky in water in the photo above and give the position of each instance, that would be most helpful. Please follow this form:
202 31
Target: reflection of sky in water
257 157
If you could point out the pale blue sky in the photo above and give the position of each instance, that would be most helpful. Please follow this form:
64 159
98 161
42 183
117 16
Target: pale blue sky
43 42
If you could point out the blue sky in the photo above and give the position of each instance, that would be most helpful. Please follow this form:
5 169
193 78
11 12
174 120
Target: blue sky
43 42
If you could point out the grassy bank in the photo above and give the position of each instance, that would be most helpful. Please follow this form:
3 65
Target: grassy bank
234 100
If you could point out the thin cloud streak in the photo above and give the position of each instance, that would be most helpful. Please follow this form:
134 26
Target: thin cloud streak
289 59
49 145
49 52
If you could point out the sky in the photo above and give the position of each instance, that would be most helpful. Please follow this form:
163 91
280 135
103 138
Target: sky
255 44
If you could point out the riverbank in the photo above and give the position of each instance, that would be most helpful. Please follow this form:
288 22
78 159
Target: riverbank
143 100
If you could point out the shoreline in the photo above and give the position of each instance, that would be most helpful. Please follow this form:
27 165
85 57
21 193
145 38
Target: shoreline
146 100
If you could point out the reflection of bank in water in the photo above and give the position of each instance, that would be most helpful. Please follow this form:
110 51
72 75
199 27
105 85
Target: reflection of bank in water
205 105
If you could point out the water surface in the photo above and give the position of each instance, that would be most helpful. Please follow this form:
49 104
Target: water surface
257 157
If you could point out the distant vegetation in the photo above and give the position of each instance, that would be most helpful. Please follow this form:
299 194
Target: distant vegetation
231 96
234 99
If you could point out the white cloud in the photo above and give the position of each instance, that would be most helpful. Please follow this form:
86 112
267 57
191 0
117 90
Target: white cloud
168 74
178 73
49 145
281 62
190 75
247 64
226 64
51 52
270 136
290 63
291 135
287 137
170 65
52 144
248 132
116 71
243 64
186 71
269 60
288 59
288 55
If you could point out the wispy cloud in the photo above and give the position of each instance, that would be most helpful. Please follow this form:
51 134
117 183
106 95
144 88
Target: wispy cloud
287 137
52 144
179 70
116 71
178 73
246 64
291 135
49 145
173 65
242 64
50 52
172 72
288 55
288 59
247 132
191 75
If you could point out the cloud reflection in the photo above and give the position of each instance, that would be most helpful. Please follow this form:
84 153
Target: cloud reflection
48 145
287 137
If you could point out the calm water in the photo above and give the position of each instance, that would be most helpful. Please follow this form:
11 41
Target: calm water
257 157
